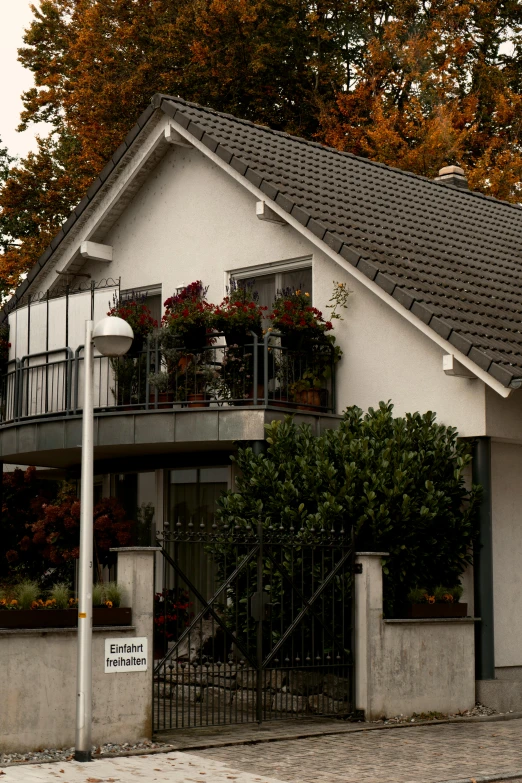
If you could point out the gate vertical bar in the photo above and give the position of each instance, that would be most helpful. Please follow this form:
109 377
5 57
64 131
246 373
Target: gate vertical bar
259 630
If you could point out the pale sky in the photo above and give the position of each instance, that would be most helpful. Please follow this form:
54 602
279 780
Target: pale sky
15 16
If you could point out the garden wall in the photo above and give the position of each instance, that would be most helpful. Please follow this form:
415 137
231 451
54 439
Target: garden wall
38 683
406 666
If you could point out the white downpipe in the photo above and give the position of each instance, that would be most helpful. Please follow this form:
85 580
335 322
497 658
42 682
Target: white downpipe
84 661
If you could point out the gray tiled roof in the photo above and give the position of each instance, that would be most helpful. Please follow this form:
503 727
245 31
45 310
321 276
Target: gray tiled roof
453 257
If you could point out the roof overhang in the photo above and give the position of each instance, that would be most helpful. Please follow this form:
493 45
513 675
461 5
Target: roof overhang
156 132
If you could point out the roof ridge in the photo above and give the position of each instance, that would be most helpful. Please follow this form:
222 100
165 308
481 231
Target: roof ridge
334 150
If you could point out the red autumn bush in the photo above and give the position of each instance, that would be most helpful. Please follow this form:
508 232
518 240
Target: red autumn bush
57 533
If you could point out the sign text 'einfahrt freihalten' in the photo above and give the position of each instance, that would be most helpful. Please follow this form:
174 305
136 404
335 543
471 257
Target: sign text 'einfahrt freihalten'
126 655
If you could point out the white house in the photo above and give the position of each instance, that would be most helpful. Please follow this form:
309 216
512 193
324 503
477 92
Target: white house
434 319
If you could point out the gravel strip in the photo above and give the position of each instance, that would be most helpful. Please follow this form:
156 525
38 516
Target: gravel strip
67 754
479 710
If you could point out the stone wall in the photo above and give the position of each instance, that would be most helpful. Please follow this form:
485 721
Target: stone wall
406 666
38 682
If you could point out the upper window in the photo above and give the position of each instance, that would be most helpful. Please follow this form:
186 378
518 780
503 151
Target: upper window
268 283
152 298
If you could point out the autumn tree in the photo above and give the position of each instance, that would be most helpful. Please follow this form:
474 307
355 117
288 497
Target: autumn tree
6 161
40 528
412 83
24 496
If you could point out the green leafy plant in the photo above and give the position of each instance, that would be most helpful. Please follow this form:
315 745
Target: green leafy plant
60 594
339 298
292 313
436 595
112 594
159 381
26 593
398 482
456 592
240 312
107 594
188 315
132 308
98 594
417 595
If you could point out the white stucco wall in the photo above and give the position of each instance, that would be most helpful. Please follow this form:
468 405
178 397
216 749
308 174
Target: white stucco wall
192 220
504 416
506 474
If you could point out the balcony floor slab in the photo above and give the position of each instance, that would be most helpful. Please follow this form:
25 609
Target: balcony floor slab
56 442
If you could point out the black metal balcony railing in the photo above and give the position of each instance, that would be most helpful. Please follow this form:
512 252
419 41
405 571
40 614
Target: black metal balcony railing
163 374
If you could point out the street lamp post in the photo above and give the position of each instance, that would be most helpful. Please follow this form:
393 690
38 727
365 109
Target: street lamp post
112 336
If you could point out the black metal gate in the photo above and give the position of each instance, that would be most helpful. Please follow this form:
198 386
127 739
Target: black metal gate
253 624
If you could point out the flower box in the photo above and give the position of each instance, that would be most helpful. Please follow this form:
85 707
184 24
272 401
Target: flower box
62 618
437 610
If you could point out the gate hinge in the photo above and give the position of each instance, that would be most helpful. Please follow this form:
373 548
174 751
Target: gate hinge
357 569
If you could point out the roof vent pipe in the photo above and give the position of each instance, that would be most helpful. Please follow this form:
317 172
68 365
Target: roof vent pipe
453 176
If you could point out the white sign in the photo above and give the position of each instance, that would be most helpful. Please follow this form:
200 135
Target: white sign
126 655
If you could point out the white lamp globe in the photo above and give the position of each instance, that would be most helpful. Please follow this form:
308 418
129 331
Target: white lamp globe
112 336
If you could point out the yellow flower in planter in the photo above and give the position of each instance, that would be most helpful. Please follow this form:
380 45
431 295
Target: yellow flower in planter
108 604
35 605
2 602
14 602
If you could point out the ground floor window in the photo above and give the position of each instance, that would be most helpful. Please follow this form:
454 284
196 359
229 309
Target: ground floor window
193 494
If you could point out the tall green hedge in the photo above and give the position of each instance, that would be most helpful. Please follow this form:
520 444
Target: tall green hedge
398 482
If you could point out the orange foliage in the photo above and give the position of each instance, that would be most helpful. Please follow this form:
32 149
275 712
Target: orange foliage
412 83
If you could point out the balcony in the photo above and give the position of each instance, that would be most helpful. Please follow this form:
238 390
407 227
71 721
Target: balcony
163 397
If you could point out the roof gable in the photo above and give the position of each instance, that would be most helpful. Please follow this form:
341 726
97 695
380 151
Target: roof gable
452 258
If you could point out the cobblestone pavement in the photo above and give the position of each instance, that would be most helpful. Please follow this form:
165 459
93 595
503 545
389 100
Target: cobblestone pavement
420 754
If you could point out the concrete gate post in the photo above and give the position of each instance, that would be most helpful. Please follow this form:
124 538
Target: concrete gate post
368 631
136 577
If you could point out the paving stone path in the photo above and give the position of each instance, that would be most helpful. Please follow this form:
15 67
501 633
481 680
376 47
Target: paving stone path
420 754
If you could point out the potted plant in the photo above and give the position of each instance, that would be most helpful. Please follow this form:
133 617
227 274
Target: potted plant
132 308
308 391
161 382
189 317
239 314
297 321
438 602
24 606
198 379
130 370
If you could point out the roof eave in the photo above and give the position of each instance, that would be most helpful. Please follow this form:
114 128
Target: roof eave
350 259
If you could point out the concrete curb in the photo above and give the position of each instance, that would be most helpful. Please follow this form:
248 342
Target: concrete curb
486 778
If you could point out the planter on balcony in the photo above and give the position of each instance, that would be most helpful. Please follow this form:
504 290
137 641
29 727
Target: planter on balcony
63 618
312 399
195 338
197 401
165 399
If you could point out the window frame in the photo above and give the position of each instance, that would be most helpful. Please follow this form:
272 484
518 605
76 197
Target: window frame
276 268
